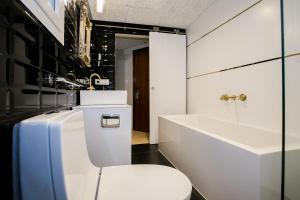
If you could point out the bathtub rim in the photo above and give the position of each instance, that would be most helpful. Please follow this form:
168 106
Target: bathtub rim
257 151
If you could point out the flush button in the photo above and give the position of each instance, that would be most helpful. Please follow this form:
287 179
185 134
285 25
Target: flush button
110 121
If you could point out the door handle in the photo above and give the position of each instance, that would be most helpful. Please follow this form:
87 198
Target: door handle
137 94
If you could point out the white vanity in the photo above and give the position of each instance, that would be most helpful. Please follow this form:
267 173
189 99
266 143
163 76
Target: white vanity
107 120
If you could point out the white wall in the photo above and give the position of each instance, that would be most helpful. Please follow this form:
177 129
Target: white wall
244 34
234 47
240 34
251 37
124 71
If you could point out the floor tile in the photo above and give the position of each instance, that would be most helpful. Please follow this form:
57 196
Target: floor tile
139 137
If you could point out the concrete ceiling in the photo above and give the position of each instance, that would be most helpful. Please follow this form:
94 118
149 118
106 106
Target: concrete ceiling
168 13
125 43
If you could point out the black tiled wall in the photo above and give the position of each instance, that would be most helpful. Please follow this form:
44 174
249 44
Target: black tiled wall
30 61
103 43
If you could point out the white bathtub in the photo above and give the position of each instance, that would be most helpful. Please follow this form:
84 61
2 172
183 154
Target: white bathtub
224 161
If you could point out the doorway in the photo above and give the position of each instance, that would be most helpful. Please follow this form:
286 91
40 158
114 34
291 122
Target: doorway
132 75
141 95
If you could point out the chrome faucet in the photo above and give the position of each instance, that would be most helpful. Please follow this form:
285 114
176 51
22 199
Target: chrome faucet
92 75
72 74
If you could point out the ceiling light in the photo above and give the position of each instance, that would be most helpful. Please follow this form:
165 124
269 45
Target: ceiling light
100 6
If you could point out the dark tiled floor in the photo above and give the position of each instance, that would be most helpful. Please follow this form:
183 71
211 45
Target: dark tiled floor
149 154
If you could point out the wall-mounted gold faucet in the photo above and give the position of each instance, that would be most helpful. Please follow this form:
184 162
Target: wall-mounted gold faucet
92 75
226 97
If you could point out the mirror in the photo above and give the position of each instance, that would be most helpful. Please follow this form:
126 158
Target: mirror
85 28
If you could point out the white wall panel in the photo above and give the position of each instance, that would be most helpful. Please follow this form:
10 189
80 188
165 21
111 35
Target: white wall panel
292 81
292 26
253 36
218 13
261 83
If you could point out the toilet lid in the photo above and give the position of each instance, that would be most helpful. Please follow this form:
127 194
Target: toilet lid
147 182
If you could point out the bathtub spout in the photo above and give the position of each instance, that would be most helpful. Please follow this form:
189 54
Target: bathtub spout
226 97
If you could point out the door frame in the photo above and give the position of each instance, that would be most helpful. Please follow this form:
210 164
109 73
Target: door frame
183 106
134 36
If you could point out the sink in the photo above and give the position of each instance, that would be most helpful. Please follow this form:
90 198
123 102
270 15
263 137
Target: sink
103 97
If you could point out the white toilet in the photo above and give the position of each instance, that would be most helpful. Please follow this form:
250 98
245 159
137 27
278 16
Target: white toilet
51 161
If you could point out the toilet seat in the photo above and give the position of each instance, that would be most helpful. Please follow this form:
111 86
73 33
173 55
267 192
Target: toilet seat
147 182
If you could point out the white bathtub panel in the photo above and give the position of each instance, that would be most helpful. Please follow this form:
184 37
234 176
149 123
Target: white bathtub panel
227 173
218 13
251 37
218 170
245 137
270 172
170 142
261 83
292 181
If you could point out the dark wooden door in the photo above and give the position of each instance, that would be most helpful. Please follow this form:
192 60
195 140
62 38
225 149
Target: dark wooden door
141 90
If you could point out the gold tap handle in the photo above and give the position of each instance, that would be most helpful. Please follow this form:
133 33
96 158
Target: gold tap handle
243 97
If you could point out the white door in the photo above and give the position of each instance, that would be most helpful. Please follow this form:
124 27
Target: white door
167 77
